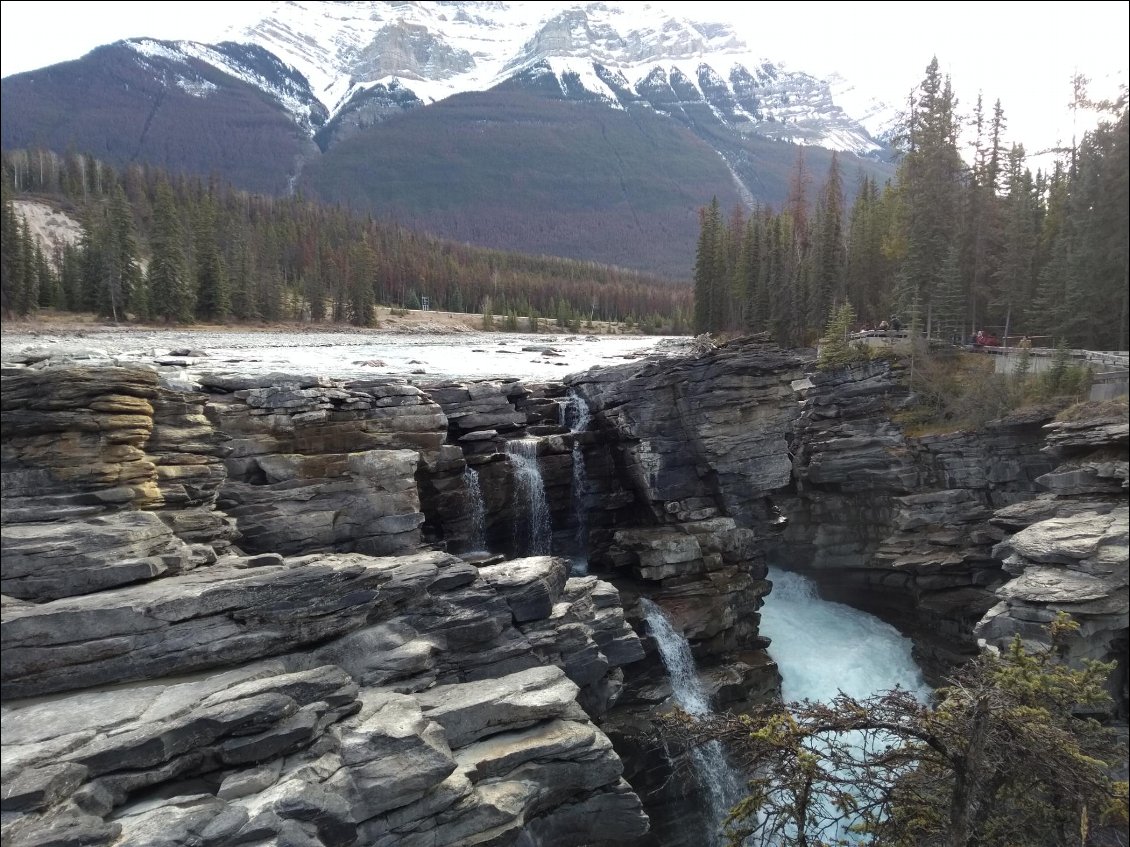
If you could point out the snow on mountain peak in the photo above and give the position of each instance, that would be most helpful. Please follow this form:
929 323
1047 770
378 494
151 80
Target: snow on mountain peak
438 49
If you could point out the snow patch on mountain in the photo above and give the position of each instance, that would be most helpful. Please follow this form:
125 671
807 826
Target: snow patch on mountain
582 72
252 64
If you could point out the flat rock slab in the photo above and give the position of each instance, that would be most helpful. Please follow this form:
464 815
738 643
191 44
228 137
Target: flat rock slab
128 739
48 561
1059 586
391 755
216 616
1067 540
474 710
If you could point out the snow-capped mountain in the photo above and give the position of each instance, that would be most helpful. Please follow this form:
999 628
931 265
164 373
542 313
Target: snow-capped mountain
620 53
594 131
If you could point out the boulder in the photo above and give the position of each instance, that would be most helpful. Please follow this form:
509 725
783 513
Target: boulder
530 586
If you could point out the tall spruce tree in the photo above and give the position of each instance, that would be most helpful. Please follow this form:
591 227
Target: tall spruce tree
930 178
830 257
174 295
213 295
707 262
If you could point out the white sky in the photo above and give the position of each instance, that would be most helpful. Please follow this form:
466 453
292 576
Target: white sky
1023 53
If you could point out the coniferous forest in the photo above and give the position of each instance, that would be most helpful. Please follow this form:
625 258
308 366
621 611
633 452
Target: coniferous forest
952 246
158 247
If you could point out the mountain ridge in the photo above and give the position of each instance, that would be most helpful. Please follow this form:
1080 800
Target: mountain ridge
320 98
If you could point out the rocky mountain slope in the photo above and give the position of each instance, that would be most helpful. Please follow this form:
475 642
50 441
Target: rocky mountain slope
477 118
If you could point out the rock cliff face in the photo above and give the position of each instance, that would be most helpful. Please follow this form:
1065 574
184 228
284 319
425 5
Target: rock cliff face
681 462
900 525
1068 550
232 613
285 684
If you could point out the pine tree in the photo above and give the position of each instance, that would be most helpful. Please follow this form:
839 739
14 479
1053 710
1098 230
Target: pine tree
1014 279
830 251
213 295
930 180
27 290
362 303
10 255
836 349
174 295
706 267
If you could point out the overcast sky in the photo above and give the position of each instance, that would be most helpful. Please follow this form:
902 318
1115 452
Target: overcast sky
1025 54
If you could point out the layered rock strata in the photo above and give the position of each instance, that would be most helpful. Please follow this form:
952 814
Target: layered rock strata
900 525
328 697
313 465
1069 549
686 455
682 464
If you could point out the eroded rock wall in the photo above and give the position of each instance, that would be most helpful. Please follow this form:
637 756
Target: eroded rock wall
900 525
176 673
1068 550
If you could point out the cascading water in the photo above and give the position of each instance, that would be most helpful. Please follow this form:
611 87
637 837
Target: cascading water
721 784
533 526
822 648
578 416
478 539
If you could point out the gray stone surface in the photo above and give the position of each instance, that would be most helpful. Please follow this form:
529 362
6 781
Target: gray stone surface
216 616
49 560
530 586
478 709
325 698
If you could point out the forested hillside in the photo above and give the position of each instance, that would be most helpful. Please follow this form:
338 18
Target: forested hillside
181 249
951 246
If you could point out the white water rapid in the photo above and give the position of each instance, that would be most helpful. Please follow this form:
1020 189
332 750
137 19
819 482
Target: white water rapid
478 539
822 647
578 417
533 526
721 784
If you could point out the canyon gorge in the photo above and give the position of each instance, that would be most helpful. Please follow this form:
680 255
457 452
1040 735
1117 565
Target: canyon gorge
295 609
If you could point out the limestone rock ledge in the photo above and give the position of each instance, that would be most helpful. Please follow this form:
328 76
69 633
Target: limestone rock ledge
164 685
1069 550
408 702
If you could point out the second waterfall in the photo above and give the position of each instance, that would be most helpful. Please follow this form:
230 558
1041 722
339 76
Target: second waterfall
722 786
533 525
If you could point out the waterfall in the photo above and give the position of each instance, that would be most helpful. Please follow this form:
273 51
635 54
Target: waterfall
721 784
533 527
578 411
822 648
478 539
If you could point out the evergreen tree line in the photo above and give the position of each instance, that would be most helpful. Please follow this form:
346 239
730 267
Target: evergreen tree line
181 249
949 247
